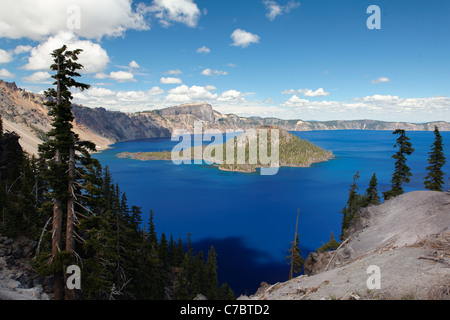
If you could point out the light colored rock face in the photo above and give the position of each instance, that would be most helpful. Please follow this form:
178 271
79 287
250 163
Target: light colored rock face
407 238
202 111
18 281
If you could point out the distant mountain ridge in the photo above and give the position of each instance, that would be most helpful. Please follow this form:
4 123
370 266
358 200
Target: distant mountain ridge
25 113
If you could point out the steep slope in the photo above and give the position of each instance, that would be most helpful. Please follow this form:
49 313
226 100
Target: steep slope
407 238
25 113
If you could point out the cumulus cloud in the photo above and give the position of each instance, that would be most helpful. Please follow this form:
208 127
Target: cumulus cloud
318 93
5 56
380 80
122 76
38 77
243 39
183 94
118 100
94 58
39 19
231 96
307 92
378 107
133 64
210 72
22 49
170 80
5 74
181 11
204 50
274 9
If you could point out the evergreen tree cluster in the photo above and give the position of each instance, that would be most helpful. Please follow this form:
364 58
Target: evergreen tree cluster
21 189
434 180
356 201
68 202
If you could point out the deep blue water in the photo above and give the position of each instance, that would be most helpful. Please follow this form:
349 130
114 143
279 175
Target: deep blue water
250 218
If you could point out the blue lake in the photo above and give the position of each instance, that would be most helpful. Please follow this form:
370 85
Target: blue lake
250 218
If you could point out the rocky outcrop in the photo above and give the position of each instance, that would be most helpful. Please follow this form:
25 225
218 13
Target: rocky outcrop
201 111
18 280
407 239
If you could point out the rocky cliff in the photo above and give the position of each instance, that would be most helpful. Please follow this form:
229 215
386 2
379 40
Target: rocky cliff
25 113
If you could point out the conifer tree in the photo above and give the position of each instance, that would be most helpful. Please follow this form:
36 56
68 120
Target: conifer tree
371 196
295 259
402 172
352 205
61 152
435 179
212 291
332 244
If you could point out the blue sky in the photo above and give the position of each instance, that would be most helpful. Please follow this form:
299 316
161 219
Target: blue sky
310 59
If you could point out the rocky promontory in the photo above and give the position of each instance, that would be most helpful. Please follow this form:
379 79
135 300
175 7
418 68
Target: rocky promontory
405 241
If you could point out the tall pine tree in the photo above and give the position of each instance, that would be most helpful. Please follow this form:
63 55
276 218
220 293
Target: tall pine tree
402 172
435 179
62 151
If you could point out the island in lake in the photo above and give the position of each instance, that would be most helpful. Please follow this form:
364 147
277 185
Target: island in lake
292 152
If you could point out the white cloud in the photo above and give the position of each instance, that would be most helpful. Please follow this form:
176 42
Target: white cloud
204 50
231 95
122 76
94 58
100 75
318 93
22 49
242 38
274 9
174 72
170 80
378 97
5 74
39 77
378 107
380 80
183 94
37 20
307 92
5 56
100 92
118 100
155 91
290 91
210 72
134 65
181 11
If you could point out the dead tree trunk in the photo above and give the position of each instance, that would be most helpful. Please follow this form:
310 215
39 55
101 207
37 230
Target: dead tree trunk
291 271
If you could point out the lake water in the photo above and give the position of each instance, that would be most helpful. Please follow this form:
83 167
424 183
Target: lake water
250 218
